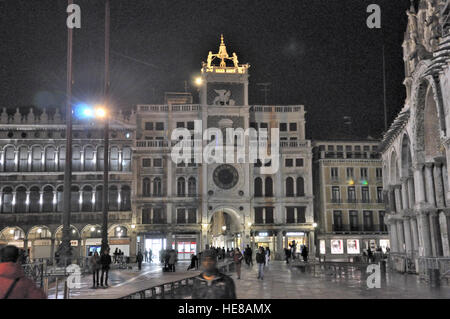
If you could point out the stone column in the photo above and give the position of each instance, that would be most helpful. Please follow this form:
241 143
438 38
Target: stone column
279 252
445 184
438 185
429 182
405 200
414 233
411 196
419 183
444 225
400 236
398 198
393 235
391 199
423 224
436 243
407 229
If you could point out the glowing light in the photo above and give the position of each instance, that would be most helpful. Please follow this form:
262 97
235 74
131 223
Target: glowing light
198 81
118 228
224 227
364 182
205 225
92 228
100 112
351 182
133 226
249 224
11 231
83 111
314 225
39 230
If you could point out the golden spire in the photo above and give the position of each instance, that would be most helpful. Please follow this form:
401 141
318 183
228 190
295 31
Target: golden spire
222 54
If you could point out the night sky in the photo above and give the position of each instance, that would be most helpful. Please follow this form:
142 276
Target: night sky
319 53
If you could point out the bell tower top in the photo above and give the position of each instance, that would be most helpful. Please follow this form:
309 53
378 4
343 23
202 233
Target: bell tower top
223 56
224 80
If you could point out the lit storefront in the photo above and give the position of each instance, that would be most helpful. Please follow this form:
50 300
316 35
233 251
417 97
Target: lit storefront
264 239
338 248
185 245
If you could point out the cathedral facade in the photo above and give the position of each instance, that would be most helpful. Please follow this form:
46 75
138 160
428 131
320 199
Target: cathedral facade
416 149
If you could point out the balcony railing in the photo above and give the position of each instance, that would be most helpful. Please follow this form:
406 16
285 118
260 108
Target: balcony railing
359 228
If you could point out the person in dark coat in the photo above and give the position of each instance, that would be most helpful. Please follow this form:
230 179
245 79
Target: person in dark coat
305 253
211 283
194 262
94 263
287 253
139 258
261 261
369 254
13 282
105 261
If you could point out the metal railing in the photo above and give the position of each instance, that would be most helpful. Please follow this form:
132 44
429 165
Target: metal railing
167 289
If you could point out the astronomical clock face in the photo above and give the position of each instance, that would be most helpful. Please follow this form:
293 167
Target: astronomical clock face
225 176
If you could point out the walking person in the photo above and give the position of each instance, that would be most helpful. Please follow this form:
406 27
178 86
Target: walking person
13 282
369 255
145 255
237 258
150 256
139 258
305 253
287 253
172 260
116 255
94 263
105 261
261 261
211 283
267 255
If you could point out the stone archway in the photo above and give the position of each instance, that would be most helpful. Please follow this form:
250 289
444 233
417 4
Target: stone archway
225 228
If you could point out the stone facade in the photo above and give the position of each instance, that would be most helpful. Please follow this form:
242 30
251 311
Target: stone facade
348 202
416 148
32 160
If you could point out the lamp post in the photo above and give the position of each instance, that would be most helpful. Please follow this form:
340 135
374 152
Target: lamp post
64 250
105 245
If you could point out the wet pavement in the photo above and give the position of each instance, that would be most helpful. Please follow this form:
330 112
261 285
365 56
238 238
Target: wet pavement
280 282
284 282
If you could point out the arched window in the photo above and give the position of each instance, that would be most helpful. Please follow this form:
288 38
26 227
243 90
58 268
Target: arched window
35 197
157 188
75 199
100 158
21 198
258 187
126 198
59 199
36 159
50 156
192 186
23 159
181 187
86 204
99 198
47 199
126 159
10 155
89 164
113 196
7 199
289 187
62 158
76 158
114 158
300 186
268 189
146 187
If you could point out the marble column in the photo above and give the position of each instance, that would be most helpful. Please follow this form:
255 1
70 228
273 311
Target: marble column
423 224
400 236
398 198
393 235
429 182
405 200
419 183
407 230
438 185
444 225
411 194
414 233
436 244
